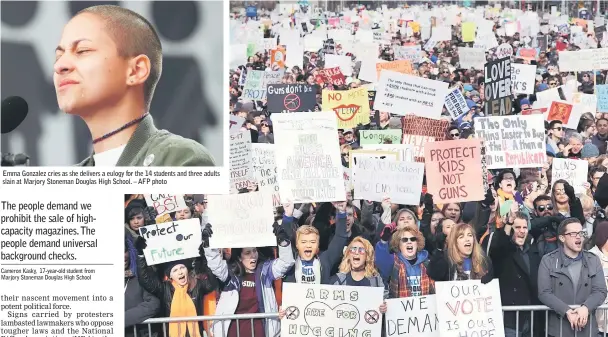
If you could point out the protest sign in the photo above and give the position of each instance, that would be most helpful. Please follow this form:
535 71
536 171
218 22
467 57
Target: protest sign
405 151
571 170
277 58
371 98
380 136
472 58
165 203
308 157
504 50
355 155
497 88
469 308
468 31
513 141
241 169
402 67
374 179
602 97
332 76
236 123
534 111
351 107
257 80
171 241
453 170
400 93
412 316
265 170
418 131
241 220
329 46
291 97
316 310
409 53
559 111
342 61
456 103
523 77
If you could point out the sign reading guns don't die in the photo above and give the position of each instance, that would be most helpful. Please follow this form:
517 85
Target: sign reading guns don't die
171 241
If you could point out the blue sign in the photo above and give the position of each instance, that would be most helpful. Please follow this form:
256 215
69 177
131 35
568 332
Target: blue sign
251 11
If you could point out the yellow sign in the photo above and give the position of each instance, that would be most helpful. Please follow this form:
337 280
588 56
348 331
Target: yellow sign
350 106
468 31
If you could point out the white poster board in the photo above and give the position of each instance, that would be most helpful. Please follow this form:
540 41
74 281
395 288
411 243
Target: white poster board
241 220
165 203
171 241
523 77
469 308
513 141
400 94
236 123
265 170
241 168
572 170
412 316
374 179
472 58
456 103
328 310
406 151
308 157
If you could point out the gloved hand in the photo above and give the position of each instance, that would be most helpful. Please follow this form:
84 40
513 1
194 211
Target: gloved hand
281 234
428 203
140 245
206 234
387 233
569 190
440 240
488 198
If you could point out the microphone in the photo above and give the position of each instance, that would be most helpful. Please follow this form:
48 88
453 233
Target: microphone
14 111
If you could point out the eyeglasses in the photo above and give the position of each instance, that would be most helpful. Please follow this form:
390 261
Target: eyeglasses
542 208
559 128
412 239
264 124
446 71
581 234
344 154
456 134
357 250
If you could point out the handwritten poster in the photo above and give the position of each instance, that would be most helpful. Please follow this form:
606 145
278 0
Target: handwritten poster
332 76
418 131
171 241
257 80
405 151
380 136
412 316
513 141
602 97
571 170
523 77
351 107
453 170
559 111
402 66
498 87
328 310
241 169
265 170
241 220
469 308
308 157
374 179
165 203
236 123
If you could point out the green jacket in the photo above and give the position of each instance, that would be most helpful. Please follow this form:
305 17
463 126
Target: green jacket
150 146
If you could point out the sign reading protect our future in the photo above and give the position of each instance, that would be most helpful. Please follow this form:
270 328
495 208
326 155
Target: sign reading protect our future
171 241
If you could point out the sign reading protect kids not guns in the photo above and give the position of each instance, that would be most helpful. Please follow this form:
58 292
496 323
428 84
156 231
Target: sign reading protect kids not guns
328 310
469 309
350 106
165 203
171 241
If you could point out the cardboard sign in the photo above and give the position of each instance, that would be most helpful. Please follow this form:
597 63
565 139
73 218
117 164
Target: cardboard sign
380 136
559 111
265 170
453 170
241 220
469 308
241 169
573 171
315 310
400 93
456 104
513 141
165 203
291 97
418 131
308 157
498 87
351 107
412 316
374 179
171 241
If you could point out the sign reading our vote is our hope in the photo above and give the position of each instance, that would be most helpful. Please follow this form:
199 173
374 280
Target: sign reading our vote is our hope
171 241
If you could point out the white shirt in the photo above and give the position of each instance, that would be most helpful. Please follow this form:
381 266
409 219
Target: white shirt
108 158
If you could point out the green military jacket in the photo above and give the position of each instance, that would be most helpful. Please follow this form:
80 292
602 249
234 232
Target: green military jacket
150 146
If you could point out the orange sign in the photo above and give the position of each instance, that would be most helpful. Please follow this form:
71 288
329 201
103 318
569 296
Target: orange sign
400 66
559 112
277 58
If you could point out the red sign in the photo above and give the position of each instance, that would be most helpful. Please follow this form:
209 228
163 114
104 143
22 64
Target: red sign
333 76
560 112
534 111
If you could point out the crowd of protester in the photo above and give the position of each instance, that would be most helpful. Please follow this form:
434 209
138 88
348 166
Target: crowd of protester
549 248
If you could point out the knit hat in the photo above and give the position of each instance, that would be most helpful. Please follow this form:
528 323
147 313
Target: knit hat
468 87
589 151
134 204
524 101
169 265
542 86
601 234
470 103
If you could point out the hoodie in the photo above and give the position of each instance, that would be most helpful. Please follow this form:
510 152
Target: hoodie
413 271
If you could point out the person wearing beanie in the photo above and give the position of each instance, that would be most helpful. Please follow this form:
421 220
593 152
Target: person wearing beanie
542 87
134 217
590 153
600 249
181 294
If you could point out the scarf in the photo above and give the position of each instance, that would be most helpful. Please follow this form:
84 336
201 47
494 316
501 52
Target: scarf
504 196
183 306
398 284
316 267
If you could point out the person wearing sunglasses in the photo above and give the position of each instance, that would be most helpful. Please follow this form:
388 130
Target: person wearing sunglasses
453 132
571 276
554 136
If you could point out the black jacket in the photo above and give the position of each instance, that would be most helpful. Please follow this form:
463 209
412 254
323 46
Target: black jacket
206 283
139 306
518 283
441 269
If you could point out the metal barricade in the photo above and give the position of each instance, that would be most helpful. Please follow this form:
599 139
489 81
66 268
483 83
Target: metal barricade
533 310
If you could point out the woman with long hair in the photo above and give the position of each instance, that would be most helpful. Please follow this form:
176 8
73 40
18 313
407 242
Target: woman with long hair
463 258
409 275
565 202
248 286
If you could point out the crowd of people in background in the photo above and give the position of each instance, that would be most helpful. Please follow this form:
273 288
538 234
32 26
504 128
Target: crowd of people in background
545 242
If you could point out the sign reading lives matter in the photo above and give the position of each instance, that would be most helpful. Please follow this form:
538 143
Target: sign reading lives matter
291 97
328 310
171 241
497 88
